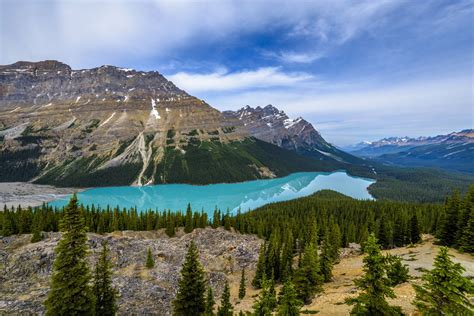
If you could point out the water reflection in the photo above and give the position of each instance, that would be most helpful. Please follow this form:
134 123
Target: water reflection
245 195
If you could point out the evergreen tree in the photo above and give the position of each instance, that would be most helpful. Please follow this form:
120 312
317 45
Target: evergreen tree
467 239
70 292
374 285
210 302
150 263
288 302
37 235
105 294
287 257
170 227
449 224
383 236
445 291
399 232
415 236
307 279
273 256
226 308
260 270
272 297
189 225
8 226
264 305
335 241
242 285
397 272
191 286
326 262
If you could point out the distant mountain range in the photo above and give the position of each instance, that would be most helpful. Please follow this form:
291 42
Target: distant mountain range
454 151
117 126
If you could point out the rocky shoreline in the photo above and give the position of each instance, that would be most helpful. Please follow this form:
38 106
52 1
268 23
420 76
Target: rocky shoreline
29 194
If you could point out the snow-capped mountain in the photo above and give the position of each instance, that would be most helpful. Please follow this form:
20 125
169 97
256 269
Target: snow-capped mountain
274 126
454 151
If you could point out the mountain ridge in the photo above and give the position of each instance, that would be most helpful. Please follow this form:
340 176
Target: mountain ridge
117 126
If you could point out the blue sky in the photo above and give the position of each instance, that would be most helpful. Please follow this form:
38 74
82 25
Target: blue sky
358 70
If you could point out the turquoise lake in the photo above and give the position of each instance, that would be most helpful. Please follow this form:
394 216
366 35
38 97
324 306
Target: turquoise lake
245 195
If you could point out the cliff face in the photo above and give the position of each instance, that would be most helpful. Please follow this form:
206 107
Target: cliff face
55 121
26 267
274 126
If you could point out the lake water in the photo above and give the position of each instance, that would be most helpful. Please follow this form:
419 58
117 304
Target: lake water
244 195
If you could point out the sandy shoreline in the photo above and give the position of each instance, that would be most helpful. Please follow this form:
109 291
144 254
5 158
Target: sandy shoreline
29 194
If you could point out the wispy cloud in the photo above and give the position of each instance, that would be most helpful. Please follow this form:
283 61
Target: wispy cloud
222 80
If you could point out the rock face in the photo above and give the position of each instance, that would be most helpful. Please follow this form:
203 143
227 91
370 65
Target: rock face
274 126
115 126
26 268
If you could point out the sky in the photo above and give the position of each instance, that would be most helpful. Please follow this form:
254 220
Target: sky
358 70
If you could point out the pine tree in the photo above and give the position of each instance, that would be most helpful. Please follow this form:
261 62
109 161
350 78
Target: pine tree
105 294
37 235
335 241
287 257
288 302
260 270
273 256
467 239
265 302
374 285
210 302
397 272
399 232
70 292
326 262
445 291
449 224
242 285
189 225
307 279
226 308
8 226
382 235
150 263
415 236
170 227
191 286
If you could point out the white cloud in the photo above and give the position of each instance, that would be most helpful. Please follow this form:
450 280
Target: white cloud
353 112
222 80
112 31
294 57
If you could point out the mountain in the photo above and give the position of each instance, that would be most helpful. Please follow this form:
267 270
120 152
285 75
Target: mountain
274 126
117 126
454 151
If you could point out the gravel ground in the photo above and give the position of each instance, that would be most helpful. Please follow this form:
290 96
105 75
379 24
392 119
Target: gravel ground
29 194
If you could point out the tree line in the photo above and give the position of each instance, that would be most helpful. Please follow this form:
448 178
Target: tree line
73 290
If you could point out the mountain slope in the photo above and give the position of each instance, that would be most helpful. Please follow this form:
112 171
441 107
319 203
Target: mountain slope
274 126
454 151
116 126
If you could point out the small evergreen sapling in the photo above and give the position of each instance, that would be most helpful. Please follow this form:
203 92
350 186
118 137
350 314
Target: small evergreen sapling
445 291
210 302
242 285
150 263
226 308
106 295
397 272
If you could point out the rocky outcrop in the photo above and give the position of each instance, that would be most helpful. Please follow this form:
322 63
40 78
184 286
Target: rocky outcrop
274 126
26 268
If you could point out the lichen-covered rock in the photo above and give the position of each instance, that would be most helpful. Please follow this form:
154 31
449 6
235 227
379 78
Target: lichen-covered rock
25 267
